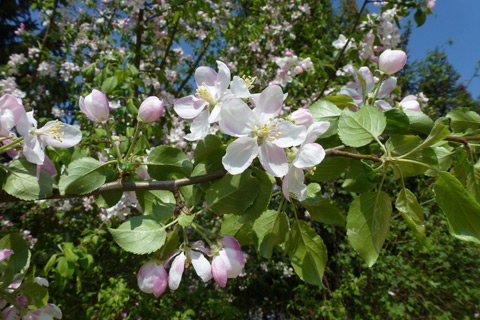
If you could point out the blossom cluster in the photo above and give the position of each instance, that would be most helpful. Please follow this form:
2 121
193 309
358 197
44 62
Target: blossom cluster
260 130
227 262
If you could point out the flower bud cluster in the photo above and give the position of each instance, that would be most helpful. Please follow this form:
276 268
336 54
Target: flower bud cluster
227 262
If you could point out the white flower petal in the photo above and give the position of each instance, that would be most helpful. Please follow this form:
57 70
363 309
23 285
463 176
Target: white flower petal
189 107
387 87
240 154
205 75
316 130
309 155
269 103
201 265
293 182
236 118
67 135
239 87
273 159
367 75
290 135
199 127
223 78
383 105
176 271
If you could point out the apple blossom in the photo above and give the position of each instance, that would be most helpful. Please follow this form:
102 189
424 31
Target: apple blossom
259 134
54 133
48 312
410 103
95 106
204 107
150 110
152 278
228 261
302 116
11 110
392 61
308 155
193 254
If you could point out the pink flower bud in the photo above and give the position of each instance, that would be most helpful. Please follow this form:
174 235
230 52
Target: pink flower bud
5 253
431 4
298 70
392 61
95 106
150 110
410 103
228 262
302 117
152 278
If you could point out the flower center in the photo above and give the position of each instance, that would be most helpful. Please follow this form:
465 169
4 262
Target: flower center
249 81
204 94
54 130
269 130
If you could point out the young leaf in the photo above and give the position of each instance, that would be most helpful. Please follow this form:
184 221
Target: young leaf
326 111
412 213
259 205
464 120
240 231
82 176
357 129
270 230
368 221
307 253
157 203
140 235
462 211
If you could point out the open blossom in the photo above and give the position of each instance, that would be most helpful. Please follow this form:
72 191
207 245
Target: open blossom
54 133
95 106
359 92
48 312
204 107
228 262
308 155
259 134
193 254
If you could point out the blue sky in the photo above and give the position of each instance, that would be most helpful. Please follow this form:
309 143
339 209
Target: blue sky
457 20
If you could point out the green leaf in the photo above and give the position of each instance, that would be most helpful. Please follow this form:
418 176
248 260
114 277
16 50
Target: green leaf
36 294
210 151
65 268
165 161
157 203
368 221
420 17
265 183
232 194
439 132
330 168
18 262
307 253
139 235
397 121
185 220
82 176
358 178
473 184
412 213
171 243
462 211
464 120
326 111
108 200
109 85
357 129
322 211
22 182
270 230
420 123
232 226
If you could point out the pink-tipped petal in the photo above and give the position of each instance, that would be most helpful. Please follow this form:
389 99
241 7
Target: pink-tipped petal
5 253
367 76
189 107
205 75
234 261
392 61
316 130
387 87
239 88
236 118
219 271
293 182
199 127
383 105
223 77
176 271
